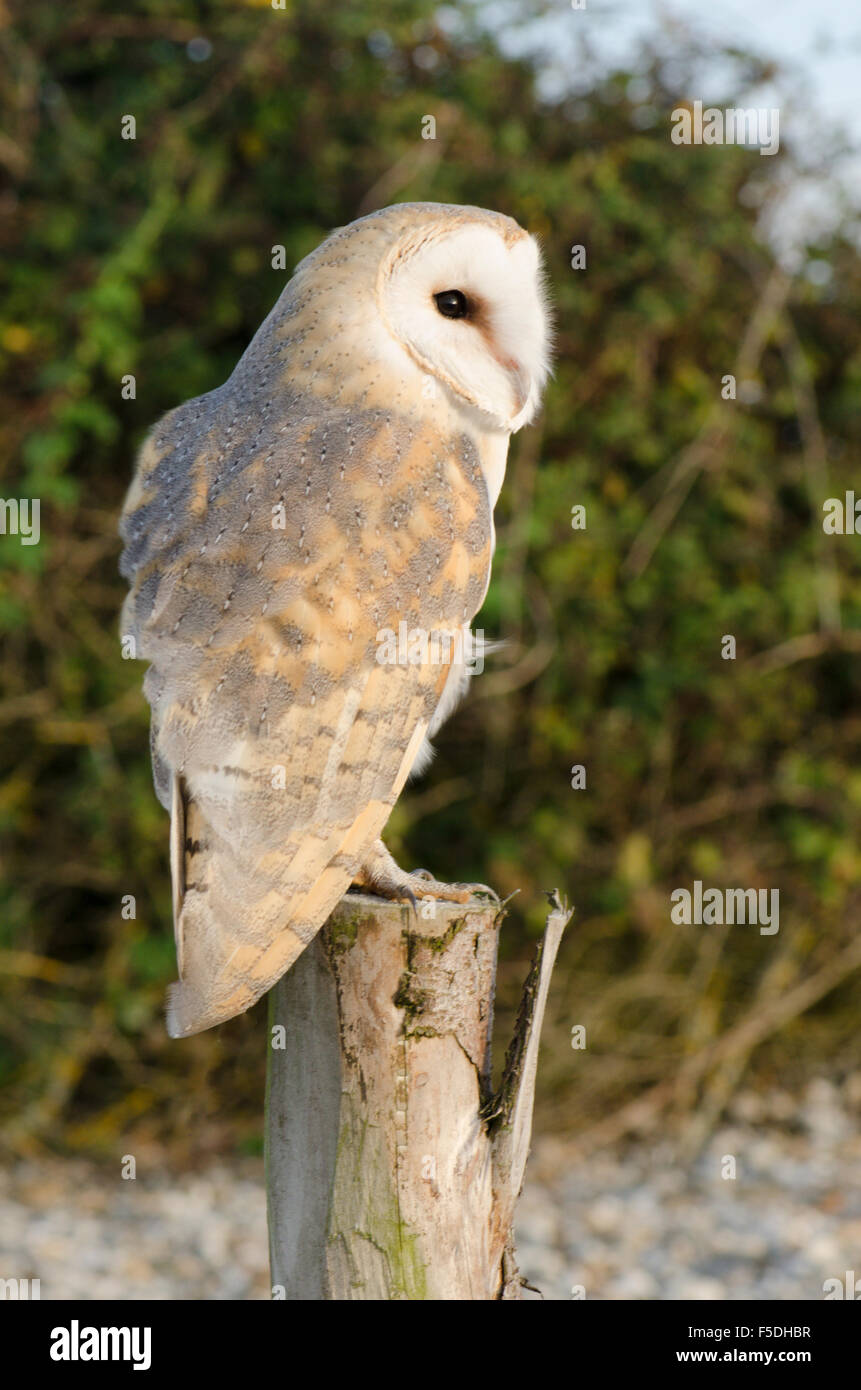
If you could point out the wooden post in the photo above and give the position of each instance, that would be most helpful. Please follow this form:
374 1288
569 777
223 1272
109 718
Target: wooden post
392 1169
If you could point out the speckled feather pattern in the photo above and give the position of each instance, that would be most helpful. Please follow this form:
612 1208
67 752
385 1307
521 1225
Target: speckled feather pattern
277 736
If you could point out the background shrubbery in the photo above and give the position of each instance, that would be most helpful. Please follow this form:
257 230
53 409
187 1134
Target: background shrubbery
152 257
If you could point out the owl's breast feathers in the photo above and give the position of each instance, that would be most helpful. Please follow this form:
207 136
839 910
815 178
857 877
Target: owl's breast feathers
270 542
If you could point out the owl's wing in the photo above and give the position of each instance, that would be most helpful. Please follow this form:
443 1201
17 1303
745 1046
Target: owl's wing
269 588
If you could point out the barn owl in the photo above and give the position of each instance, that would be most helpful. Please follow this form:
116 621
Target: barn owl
339 484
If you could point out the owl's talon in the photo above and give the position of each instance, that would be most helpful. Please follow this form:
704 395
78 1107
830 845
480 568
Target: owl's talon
483 888
380 874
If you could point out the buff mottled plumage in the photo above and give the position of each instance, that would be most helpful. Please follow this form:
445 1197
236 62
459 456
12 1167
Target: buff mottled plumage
274 527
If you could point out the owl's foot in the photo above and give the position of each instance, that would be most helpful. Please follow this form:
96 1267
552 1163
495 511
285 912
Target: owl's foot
470 889
380 874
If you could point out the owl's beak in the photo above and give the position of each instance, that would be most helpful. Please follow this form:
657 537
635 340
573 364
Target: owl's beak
523 392
520 381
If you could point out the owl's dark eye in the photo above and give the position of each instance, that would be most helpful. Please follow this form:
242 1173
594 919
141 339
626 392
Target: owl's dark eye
452 304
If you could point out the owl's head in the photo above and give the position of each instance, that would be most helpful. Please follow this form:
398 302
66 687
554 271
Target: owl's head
427 290
462 291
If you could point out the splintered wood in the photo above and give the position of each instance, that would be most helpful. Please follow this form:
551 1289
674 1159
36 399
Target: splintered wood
392 1167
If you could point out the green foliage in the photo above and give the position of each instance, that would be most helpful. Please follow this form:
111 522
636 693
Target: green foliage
152 257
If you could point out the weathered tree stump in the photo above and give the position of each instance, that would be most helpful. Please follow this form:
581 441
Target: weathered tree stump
392 1168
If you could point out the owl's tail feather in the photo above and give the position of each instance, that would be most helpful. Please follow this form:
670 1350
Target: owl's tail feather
185 1011
232 925
236 944
222 976
245 917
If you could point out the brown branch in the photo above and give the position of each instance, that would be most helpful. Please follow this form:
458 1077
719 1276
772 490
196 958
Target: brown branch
815 465
804 648
422 160
757 1025
685 469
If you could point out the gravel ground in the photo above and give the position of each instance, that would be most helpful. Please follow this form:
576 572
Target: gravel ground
88 1234
638 1223
647 1224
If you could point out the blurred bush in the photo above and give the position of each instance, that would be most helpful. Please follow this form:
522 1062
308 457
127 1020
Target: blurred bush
257 127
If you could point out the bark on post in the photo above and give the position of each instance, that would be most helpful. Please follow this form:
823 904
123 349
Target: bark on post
392 1170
